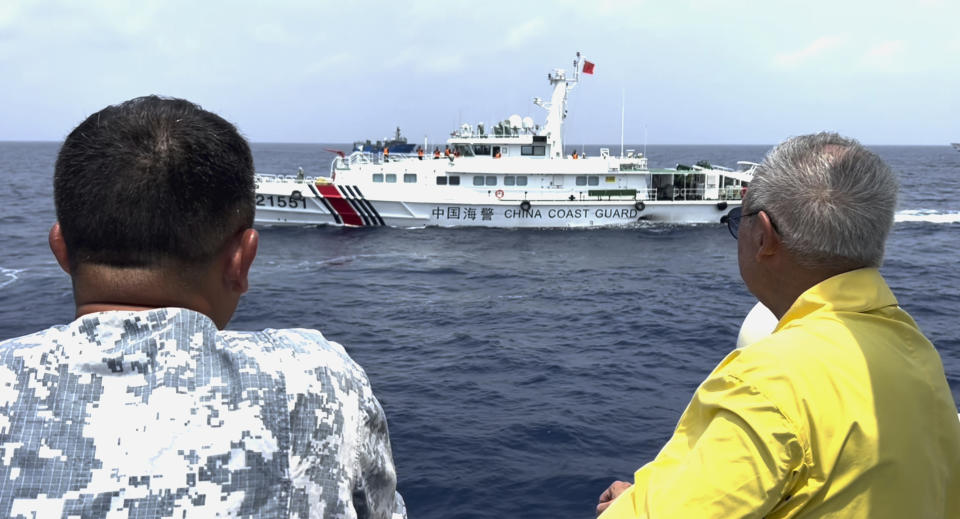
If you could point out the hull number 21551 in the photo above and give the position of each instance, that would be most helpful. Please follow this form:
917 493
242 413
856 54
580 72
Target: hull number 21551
292 201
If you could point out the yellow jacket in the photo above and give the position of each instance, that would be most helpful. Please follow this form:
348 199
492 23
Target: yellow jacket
843 412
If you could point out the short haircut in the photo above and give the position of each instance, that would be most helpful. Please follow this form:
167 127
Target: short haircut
831 199
150 182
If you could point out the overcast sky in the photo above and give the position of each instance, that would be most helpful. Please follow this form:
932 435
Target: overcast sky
690 71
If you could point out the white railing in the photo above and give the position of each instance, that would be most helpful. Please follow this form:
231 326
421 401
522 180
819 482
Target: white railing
731 193
292 179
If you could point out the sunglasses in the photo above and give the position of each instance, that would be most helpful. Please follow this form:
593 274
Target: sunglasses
732 219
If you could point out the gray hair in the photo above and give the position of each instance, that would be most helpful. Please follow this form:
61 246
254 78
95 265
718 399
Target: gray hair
831 200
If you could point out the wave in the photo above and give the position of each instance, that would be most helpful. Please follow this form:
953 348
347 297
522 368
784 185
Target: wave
927 215
9 276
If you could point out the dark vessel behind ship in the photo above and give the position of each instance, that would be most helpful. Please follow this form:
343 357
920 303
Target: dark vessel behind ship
397 144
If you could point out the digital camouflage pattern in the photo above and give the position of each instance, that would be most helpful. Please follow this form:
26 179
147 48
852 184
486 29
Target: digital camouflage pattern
158 414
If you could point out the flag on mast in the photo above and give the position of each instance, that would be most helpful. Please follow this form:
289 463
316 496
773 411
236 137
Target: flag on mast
587 67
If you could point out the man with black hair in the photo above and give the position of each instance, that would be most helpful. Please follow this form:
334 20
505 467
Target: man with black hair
144 406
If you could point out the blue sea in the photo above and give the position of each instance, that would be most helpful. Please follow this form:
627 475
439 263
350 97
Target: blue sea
521 370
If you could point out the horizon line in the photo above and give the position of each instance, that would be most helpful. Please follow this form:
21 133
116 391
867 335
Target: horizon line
947 145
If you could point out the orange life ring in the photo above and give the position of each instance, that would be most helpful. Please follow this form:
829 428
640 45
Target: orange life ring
499 194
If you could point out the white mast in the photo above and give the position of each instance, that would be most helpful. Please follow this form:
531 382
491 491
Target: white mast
557 107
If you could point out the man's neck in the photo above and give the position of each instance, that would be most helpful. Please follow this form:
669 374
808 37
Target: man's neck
100 288
92 308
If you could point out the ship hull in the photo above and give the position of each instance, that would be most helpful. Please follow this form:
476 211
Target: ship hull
282 204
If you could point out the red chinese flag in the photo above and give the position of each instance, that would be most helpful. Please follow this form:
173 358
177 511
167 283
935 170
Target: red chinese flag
587 67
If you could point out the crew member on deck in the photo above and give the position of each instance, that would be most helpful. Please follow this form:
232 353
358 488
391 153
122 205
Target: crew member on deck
386 153
574 154
446 152
436 153
419 153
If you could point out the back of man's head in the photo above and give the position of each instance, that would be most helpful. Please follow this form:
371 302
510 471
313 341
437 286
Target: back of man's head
152 182
831 199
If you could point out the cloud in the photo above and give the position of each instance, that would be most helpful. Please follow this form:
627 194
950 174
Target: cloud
885 55
954 46
605 7
9 12
424 61
817 48
521 34
448 62
271 33
321 66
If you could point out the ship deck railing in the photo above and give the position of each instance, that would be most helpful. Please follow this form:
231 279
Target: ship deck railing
371 157
293 179
694 193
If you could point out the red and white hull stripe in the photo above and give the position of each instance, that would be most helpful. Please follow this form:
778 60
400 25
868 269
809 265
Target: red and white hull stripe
347 205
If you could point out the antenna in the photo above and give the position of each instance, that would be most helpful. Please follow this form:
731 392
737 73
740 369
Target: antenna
576 67
622 101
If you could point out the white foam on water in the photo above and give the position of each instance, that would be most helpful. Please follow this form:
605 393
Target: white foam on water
9 276
927 215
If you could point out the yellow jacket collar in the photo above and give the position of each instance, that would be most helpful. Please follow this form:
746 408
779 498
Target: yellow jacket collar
860 290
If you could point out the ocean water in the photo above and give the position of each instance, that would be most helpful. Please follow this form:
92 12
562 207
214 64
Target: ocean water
521 370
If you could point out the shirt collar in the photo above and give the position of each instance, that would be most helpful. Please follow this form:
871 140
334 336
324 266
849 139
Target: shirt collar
861 290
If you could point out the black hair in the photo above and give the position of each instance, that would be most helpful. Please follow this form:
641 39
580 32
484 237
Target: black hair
151 181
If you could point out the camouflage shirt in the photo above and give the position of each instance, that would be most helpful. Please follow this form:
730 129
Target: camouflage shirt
159 414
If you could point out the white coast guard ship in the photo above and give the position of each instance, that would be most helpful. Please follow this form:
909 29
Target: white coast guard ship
516 175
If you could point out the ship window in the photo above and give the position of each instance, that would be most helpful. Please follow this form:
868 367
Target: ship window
441 181
491 180
593 181
391 178
409 178
378 177
477 180
581 181
509 180
481 149
454 180
533 150
522 180
526 150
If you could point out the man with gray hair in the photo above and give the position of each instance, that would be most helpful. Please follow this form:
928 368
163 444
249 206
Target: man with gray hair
844 410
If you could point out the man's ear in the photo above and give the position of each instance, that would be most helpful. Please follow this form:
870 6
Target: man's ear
770 241
239 260
59 247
